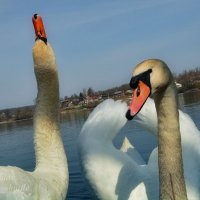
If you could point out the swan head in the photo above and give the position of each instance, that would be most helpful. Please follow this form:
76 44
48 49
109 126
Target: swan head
43 55
150 77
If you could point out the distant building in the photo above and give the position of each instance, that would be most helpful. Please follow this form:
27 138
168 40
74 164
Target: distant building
128 92
118 94
178 85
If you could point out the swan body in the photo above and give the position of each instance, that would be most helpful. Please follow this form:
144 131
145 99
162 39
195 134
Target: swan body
113 174
49 180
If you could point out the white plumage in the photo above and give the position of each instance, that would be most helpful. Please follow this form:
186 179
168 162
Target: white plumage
115 175
49 180
112 173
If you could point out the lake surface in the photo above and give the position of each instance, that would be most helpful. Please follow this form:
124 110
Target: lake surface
16 143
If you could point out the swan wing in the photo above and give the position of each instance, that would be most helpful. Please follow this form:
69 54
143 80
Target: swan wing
112 173
16 184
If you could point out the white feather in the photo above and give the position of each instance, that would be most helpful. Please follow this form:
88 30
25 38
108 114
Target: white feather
115 175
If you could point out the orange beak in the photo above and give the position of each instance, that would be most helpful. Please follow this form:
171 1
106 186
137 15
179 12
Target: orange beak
39 27
140 95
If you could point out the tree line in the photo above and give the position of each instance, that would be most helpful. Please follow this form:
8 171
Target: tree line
190 79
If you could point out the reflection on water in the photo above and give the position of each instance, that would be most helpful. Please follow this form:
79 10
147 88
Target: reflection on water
71 124
16 143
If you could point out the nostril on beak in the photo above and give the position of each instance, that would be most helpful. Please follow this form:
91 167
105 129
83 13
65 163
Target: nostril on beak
138 91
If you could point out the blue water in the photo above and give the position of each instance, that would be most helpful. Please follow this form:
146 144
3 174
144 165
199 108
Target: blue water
16 146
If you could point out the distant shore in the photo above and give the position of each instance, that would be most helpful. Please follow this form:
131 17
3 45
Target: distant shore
26 113
15 121
15 115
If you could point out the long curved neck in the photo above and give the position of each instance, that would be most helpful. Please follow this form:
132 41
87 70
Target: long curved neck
50 154
171 174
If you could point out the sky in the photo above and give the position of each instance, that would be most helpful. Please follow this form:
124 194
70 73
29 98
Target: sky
97 43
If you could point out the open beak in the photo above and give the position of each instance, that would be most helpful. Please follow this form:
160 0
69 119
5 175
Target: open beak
39 28
140 95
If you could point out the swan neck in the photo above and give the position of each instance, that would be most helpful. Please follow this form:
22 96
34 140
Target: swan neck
171 173
49 147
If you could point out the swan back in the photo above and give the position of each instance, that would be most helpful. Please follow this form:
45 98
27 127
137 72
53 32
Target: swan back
105 121
112 173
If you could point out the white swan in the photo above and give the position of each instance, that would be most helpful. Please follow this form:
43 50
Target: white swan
115 175
49 180
153 76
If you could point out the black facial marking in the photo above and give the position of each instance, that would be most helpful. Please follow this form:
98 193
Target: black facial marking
144 77
134 82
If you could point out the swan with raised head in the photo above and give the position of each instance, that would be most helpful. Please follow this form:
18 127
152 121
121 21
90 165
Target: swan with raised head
49 180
